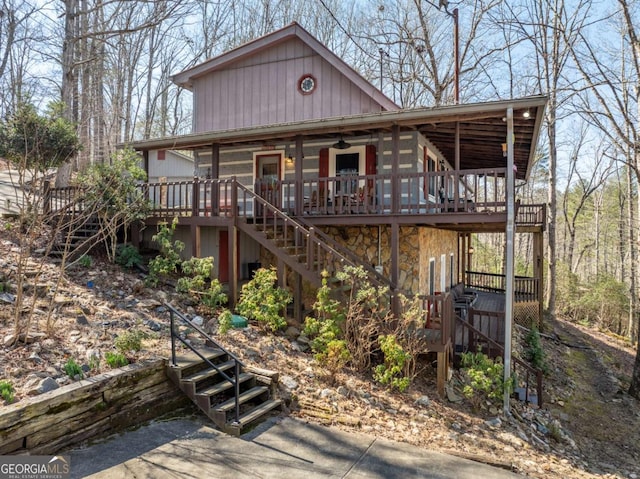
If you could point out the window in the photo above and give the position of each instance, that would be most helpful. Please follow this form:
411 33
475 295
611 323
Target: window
432 275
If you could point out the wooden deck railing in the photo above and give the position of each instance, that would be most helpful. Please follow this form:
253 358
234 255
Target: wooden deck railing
525 288
427 193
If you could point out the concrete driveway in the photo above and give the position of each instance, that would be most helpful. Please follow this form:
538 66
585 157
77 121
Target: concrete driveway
11 196
277 449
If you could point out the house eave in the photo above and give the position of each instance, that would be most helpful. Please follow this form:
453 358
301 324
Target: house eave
429 121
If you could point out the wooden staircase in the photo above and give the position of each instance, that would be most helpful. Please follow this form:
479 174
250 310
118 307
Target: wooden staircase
305 249
74 237
231 394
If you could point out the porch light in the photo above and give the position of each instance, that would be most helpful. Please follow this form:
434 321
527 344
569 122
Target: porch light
290 160
471 250
341 145
526 114
504 150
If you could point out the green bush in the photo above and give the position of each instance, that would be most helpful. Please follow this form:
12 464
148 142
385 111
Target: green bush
534 352
73 369
262 300
167 262
115 360
392 372
111 192
225 322
197 283
85 261
94 362
483 379
327 325
7 391
130 341
128 256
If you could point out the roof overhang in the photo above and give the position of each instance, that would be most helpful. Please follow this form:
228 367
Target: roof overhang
482 131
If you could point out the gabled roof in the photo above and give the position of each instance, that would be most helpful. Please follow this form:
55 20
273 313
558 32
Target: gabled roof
186 77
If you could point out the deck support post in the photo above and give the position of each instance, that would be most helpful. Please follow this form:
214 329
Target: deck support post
233 265
510 253
395 264
297 299
395 168
195 241
299 194
215 171
538 271
442 371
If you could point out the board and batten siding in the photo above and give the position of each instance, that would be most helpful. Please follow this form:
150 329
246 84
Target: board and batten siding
263 90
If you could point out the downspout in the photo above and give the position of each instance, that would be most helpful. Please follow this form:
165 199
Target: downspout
509 269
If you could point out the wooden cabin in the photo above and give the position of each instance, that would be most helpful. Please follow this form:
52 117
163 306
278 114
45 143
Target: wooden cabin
303 164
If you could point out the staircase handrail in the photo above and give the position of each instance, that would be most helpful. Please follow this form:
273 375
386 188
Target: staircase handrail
515 360
311 235
209 340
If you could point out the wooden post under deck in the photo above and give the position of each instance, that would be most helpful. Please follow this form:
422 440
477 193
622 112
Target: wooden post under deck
195 241
233 265
299 194
538 271
442 371
395 264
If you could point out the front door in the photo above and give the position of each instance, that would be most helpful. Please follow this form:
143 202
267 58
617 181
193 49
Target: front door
223 256
268 174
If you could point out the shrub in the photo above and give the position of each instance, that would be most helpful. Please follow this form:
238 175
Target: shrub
262 300
7 391
110 191
94 362
128 256
115 360
534 352
168 260
392 372
483 379
85 261
73 369
335 356
225 322
327 325
130 341
198 283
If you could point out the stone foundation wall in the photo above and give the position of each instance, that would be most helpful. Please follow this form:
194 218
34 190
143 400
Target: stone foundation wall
418 244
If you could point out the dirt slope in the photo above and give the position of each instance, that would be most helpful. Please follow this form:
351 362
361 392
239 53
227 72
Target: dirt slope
588 428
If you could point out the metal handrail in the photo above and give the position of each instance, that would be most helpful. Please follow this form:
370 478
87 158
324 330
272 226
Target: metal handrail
236 362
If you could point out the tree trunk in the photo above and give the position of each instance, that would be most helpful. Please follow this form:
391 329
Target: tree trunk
68 78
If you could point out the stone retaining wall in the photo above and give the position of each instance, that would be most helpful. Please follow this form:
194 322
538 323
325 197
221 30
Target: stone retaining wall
99 405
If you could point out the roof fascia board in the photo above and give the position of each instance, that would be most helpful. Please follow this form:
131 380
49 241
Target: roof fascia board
185 77
378 120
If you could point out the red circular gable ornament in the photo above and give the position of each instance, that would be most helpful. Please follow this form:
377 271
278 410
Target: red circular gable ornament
307 84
